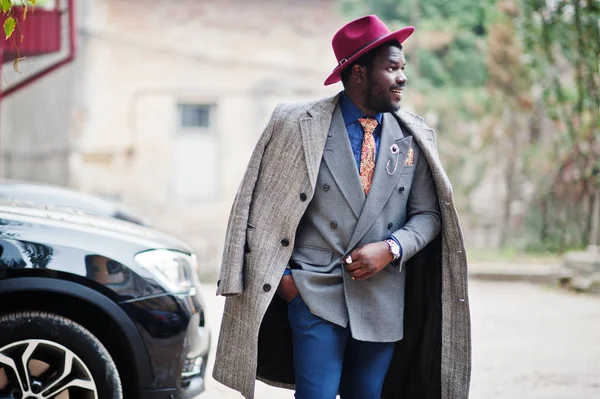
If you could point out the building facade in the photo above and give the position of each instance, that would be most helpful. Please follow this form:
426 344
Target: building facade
165 102
166 99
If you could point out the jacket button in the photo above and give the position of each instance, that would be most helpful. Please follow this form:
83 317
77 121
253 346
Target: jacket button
390 225
285 242
218 283
267 287
333 225
303 197
401 189
326 187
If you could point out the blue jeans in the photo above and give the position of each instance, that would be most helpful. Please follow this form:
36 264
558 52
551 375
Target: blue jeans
327 359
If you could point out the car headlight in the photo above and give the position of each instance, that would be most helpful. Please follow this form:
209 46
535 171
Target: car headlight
176 270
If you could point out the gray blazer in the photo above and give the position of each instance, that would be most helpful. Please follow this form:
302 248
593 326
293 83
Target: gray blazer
340 218
259 242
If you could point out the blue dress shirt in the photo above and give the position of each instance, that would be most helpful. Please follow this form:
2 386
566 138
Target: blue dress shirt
352 114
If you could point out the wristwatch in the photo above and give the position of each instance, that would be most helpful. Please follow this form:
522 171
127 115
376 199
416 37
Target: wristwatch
394 248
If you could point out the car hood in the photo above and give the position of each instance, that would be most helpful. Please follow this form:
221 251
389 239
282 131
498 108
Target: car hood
14 217
61 198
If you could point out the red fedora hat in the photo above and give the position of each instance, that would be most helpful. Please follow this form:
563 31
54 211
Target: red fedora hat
358 37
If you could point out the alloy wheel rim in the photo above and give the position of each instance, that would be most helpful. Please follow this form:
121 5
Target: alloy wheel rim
41 369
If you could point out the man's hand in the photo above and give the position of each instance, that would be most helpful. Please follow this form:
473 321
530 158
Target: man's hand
368 260
287 288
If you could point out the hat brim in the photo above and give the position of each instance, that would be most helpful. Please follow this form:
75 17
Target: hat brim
400 35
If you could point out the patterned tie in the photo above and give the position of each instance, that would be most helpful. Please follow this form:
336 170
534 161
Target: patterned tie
367 155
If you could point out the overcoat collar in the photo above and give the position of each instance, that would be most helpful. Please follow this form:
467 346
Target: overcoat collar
315 128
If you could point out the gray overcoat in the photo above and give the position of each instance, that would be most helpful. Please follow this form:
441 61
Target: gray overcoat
432 361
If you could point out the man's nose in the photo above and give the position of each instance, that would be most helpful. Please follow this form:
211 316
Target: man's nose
401 78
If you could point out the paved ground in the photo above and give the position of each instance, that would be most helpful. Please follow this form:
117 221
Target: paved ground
529 342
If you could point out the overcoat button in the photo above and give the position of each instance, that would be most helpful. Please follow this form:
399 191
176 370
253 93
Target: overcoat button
333 225
326 187
401 189
303 197
285 242
267 287
218 283
390 225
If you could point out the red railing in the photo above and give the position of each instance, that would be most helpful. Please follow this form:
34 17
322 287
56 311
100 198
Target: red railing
69 57
40 31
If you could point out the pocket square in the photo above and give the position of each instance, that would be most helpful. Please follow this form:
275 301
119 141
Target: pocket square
410 158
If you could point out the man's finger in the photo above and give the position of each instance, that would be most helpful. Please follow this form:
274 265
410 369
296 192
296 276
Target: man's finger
360 274
354 266
365 271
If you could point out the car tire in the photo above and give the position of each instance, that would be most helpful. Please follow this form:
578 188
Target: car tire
60 354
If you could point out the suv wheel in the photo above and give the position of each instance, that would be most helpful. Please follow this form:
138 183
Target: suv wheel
43 355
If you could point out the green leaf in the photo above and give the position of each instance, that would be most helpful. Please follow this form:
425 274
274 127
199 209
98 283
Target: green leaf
6 5
9 26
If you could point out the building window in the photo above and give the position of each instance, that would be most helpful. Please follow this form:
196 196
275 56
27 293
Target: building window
195 157
194 116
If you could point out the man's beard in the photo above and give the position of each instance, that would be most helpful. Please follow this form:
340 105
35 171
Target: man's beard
378 99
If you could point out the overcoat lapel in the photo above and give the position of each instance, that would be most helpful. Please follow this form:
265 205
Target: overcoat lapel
314 130
425 139
340 160
383 181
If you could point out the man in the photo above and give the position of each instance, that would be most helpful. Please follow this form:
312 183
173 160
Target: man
346 198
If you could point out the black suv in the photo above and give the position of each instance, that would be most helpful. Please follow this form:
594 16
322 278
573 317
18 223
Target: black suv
94 307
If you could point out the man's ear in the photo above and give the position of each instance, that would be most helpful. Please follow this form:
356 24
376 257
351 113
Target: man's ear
358 73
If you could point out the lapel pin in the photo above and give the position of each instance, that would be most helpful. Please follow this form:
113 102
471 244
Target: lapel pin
395 151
